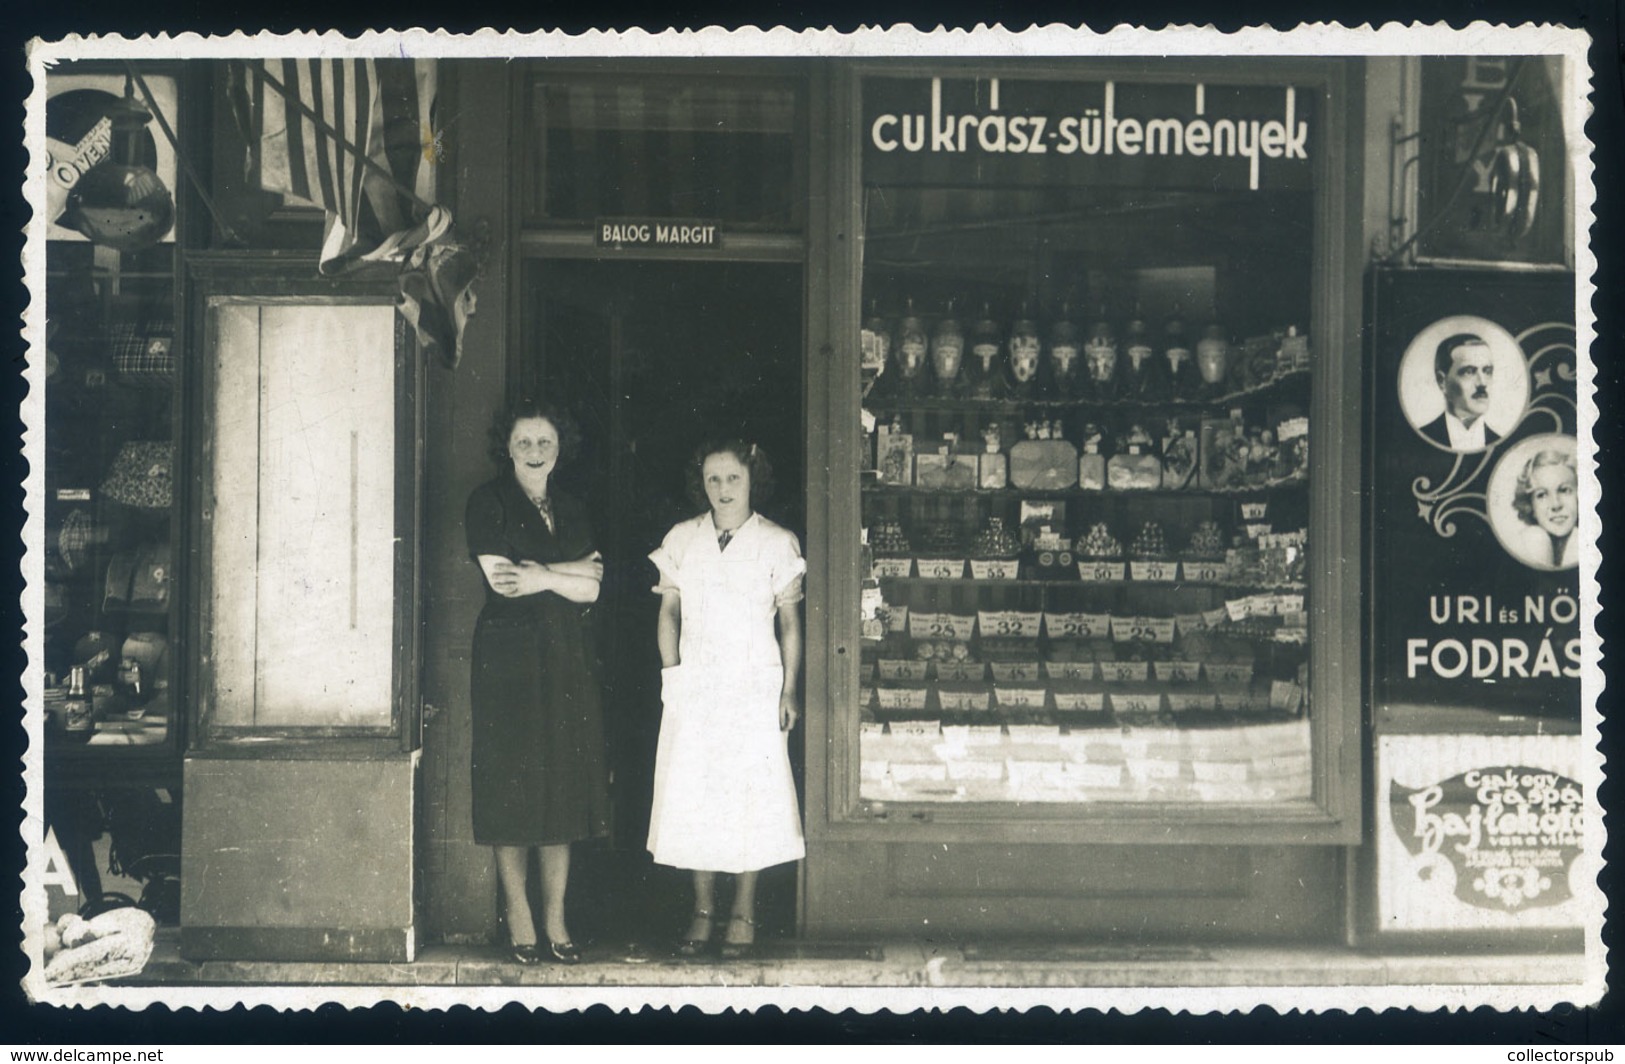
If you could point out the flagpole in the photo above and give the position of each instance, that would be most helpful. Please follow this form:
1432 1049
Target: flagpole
322 127
163 123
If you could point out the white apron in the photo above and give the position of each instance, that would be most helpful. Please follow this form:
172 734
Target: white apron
724 799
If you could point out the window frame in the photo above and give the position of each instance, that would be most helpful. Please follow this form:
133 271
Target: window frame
1333 814
292 279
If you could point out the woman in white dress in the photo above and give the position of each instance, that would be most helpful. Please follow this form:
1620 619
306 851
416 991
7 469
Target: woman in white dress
730 644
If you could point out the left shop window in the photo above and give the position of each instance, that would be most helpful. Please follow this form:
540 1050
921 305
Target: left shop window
301 518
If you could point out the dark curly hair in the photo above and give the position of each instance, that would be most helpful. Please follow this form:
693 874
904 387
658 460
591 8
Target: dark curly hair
526 407
750 456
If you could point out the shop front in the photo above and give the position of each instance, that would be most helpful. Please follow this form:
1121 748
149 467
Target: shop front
1066 371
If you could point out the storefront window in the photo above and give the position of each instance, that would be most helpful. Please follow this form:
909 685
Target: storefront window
722 149
1087 355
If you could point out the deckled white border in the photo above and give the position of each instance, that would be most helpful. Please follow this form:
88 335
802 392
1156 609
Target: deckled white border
897 42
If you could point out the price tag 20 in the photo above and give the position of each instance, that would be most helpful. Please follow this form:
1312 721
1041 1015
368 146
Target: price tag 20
1143 629
1015 624
1077 625
940 626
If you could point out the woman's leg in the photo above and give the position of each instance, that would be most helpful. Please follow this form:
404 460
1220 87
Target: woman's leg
555 880
512 864
742 925
705 901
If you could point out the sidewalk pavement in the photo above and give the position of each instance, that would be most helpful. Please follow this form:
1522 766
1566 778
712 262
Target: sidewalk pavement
895 964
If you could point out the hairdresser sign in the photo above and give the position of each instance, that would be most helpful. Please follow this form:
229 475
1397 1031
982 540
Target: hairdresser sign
1480 832
1004 131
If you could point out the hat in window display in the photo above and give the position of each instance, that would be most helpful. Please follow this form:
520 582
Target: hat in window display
981 369
142 475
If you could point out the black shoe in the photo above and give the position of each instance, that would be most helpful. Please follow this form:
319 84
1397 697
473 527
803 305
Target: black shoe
527 954
564 952
734 951
694 947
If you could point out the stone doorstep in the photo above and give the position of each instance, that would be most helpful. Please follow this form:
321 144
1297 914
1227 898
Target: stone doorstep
890 965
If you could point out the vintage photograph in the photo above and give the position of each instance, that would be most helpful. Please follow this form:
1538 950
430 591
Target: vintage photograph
884 520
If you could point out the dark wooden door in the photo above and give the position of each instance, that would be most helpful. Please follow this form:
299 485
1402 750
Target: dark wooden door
654 358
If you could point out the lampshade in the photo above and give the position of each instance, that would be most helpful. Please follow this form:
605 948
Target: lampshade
121 203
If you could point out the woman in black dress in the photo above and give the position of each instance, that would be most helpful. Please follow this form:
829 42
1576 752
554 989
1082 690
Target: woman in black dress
539 770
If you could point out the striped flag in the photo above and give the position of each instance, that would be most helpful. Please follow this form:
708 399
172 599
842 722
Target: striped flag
386 108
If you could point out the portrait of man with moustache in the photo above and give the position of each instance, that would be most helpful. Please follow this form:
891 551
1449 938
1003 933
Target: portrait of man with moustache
1464 368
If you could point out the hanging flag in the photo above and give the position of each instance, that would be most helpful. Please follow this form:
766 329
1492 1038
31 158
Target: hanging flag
311 121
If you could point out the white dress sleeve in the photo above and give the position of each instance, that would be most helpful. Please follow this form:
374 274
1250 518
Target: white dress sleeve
668 559
788 569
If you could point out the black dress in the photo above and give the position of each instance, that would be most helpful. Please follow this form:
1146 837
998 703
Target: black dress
539 769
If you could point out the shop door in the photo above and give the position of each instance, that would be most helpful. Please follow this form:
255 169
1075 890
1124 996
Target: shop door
654 358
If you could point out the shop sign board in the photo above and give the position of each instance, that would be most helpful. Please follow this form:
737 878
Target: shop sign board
656 233
1005 132
1473 459
1479 832
1492 178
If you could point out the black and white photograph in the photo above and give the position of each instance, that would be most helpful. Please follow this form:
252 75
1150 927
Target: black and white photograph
882 520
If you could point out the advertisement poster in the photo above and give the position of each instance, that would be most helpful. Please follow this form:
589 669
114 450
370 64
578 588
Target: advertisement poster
79 134
1481 832
1474 495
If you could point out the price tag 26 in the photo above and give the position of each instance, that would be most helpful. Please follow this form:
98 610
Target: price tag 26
1143 629
1077 625
1016 624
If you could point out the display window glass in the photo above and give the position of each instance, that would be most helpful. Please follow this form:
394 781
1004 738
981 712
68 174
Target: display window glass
1088 359
671 147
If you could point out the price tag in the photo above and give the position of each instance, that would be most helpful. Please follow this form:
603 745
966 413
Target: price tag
1143 629
1186 623
1095 572
1288 604
1080 701
1146 769
1014 671
1097 775
994 568
1154 570
1184 701
1229 673
1077 625
896 618
941 626
941 568
959 670
1124 671
893 568
1177 671
958 701
1215 617
1204 572
902 670
1238 609
1070 670
1020 697
1012 623
1139 702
